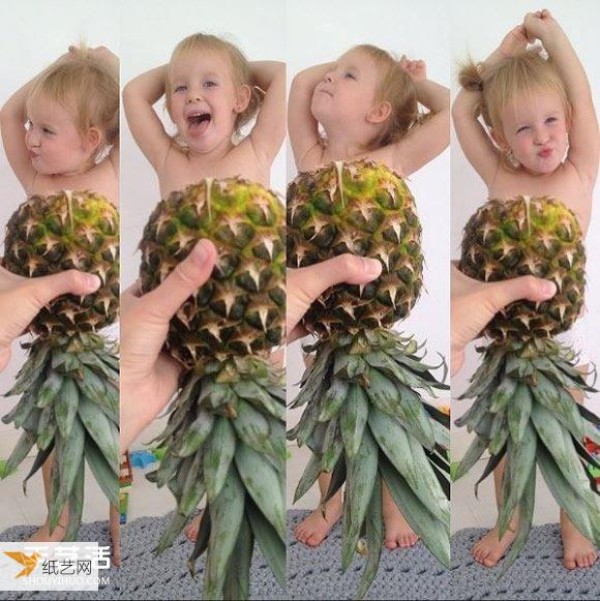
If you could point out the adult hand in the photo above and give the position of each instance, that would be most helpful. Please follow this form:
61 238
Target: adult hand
148 376
306 284
22 298
474 303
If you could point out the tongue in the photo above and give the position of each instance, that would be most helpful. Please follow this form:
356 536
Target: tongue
199 126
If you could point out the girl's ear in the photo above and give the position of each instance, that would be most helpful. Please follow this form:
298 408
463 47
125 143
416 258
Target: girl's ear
380 112
499 140
242 99
93 139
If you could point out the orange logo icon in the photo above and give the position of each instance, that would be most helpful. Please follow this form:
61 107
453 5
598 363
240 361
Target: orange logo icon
29 562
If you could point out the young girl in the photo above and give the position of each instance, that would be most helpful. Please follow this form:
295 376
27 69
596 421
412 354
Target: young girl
211 91
61 131
542 139
366 103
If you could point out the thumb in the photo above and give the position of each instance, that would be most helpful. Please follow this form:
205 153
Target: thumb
44 289
525 287
314 280
183 281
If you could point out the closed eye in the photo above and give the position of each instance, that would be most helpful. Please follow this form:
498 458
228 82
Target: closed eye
180 88
210 84
522 128
349 75
551 119
47 131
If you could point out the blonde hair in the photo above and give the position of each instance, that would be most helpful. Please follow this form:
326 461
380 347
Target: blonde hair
396 87
501 83
88 87
240 71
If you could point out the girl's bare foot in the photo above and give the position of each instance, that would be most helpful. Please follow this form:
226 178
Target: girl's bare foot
192 529
398 533
578 551
42 534
313 529
490 548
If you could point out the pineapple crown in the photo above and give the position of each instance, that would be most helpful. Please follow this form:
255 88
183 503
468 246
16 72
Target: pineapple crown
239 65
88 87
501 83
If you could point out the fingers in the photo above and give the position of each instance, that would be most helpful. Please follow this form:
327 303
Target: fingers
314 280
185 279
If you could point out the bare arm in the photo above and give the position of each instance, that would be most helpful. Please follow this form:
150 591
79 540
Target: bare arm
584 139
13 118
302 126
139 96
269 131
472 136
424 142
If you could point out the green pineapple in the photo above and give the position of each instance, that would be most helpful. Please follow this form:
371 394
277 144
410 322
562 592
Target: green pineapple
226 433
523 409
69 383
364 420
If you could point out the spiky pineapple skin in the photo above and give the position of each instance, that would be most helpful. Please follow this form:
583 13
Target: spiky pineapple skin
365 209
67 230
536 236
241 309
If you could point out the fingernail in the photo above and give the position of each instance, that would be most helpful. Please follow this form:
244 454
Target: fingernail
92 282
548 289
372 267
199 251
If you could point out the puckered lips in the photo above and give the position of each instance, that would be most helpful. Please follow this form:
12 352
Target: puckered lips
545 152
198 121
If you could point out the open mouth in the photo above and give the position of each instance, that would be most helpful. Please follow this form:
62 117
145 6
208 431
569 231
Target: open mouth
198 119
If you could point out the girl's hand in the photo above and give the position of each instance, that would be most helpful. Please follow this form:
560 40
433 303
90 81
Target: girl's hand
537 24
416 69
515 41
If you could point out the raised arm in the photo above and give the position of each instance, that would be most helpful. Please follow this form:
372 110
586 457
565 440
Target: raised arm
472 136
584 139
13 119
139 97
269 131
424 142
302 126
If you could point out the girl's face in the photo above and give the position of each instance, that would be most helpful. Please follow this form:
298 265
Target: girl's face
348 91
536 130
54 142
204 99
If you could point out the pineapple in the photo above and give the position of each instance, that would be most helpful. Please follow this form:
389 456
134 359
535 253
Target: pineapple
225 437
523 409
365 422
69 383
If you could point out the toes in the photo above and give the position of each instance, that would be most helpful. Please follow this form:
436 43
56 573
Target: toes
569 563
391 543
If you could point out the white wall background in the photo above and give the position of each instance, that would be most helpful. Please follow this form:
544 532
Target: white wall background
150 31
35 34
477 29
319 32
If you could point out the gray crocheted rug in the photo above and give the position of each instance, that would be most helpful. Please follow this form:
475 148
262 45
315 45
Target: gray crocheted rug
144 576
538 573
95 531
403 574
